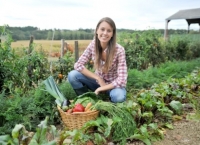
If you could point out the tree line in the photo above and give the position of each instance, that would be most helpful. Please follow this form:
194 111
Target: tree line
24 33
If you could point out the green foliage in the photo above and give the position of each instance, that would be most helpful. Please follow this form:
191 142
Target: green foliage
123 128
23 99
24 33
67 90
176 106
142 49
21 136
15 110
146 78
20 71
146 49
63 65
147 113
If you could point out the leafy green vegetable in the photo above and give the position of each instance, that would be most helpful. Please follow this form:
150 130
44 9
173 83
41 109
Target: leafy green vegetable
53 89
122 129
89 94
85 98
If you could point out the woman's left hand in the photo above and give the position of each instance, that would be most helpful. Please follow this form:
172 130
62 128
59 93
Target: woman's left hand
97 91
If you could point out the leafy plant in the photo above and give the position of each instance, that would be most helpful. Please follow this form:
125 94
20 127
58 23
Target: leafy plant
21 136
52 88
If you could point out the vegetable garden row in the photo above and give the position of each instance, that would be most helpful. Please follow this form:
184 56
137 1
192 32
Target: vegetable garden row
29 107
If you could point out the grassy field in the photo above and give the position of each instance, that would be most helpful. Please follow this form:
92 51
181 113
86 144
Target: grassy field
49 45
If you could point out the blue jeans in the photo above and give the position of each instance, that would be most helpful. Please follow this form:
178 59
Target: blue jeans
78 80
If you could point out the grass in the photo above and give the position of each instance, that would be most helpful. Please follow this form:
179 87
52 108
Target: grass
49 45
145 79
191 37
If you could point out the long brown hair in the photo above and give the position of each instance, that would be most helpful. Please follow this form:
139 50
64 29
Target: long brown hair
110 49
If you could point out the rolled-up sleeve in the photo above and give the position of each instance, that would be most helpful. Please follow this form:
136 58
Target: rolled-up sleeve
84 58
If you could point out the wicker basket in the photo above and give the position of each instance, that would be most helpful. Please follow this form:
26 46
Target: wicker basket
77 119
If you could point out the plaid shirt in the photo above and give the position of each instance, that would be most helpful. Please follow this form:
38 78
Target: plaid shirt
117 74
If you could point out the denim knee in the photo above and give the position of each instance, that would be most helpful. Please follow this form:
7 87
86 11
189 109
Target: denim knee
118 95
72 75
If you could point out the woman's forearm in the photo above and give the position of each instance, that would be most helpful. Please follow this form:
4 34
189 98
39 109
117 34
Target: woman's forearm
104 88
90 74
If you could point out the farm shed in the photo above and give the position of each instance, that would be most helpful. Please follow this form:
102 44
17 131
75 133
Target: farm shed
192 16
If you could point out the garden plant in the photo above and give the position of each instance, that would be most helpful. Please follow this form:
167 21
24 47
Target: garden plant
163 78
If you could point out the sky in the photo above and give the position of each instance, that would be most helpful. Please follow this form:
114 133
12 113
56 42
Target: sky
85 14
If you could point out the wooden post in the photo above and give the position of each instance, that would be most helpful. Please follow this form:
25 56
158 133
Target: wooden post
188 28
76 51
166 30
30 45
62 48
30 66
199 27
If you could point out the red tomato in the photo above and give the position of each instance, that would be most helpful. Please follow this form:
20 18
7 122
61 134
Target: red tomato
78 108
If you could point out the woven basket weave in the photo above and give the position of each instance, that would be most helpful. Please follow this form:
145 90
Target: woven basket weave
77 119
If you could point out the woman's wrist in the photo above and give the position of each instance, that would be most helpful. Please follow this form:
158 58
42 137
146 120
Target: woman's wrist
97 78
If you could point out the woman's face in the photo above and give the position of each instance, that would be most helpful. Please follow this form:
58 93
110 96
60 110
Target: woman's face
104 32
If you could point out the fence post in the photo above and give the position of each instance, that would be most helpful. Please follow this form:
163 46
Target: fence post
62 48
76 51
30 45
30 66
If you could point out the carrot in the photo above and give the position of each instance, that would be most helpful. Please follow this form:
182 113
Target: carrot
88 106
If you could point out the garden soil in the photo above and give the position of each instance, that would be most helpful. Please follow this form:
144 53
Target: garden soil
185 132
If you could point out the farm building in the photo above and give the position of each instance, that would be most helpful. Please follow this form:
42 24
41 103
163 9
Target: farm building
192 16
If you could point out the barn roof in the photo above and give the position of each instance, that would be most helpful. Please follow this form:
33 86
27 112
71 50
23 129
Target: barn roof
186 14
190 15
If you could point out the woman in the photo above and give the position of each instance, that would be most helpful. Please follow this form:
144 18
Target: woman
110 74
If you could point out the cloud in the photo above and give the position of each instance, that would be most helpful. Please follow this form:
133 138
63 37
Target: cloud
75 14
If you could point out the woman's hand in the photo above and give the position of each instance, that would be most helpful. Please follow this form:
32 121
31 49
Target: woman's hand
97 91
104 88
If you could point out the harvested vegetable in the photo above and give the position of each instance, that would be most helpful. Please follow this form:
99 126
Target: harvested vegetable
86 98
53 89
88 106
78 108
69 110
65 103
123 128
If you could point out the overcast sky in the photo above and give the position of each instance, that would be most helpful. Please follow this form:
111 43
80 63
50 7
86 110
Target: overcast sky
75 14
